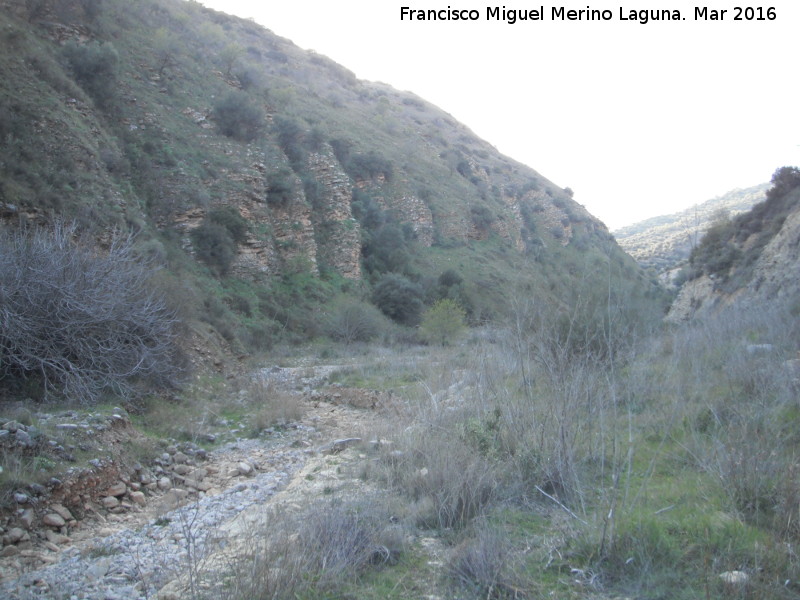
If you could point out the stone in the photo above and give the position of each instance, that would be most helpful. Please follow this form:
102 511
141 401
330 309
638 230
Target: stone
27 518
9 551
164 483
63 511
180 458
52 547
12 426
53 520
734 577
56 538
138 498
244 469
14 535
20 498
23 439
181 469
110 502
118 489
337 446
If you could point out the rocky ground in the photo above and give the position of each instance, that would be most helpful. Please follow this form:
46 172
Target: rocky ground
116 530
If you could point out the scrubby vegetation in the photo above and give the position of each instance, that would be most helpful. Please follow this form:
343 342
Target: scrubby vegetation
731 246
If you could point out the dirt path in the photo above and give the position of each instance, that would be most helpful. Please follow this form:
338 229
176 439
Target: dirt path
149 550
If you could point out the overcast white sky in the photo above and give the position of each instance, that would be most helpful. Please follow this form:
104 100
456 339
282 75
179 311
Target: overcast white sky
639 120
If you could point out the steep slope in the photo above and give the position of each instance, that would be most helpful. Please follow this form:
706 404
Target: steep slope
664 243
751 260
267 178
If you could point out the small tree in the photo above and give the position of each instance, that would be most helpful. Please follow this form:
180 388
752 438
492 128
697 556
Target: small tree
443 322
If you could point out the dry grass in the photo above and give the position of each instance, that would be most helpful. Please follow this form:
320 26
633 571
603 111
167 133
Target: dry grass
316 551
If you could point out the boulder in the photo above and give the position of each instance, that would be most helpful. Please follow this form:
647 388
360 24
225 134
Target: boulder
63 511
53 520
118 489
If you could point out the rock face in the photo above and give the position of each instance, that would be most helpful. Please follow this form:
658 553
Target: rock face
338 232
773 277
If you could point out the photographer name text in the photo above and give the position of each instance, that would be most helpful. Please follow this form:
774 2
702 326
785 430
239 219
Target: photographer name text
566 14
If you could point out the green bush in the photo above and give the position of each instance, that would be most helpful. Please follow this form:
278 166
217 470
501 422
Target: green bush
399 299
291 138
216 240
386 250
443 322
232 221
280 188
214 246
95 67
239 117
369 166
482 217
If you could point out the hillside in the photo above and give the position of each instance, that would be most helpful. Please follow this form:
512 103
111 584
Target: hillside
664 243
267 180
751 259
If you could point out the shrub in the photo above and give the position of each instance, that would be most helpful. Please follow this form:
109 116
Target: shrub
81 321
386 250
94 66
369 166
238 117
232 221
443 322
354 321
482 217
216 239
314 553
480 565
398 298
290 138
280 188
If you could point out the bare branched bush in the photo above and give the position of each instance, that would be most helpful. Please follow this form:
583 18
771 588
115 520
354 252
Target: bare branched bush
743 431
272 406
79 320
481 565
352 321
324 546
443 470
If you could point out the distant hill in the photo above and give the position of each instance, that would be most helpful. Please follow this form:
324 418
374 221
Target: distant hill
664 243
